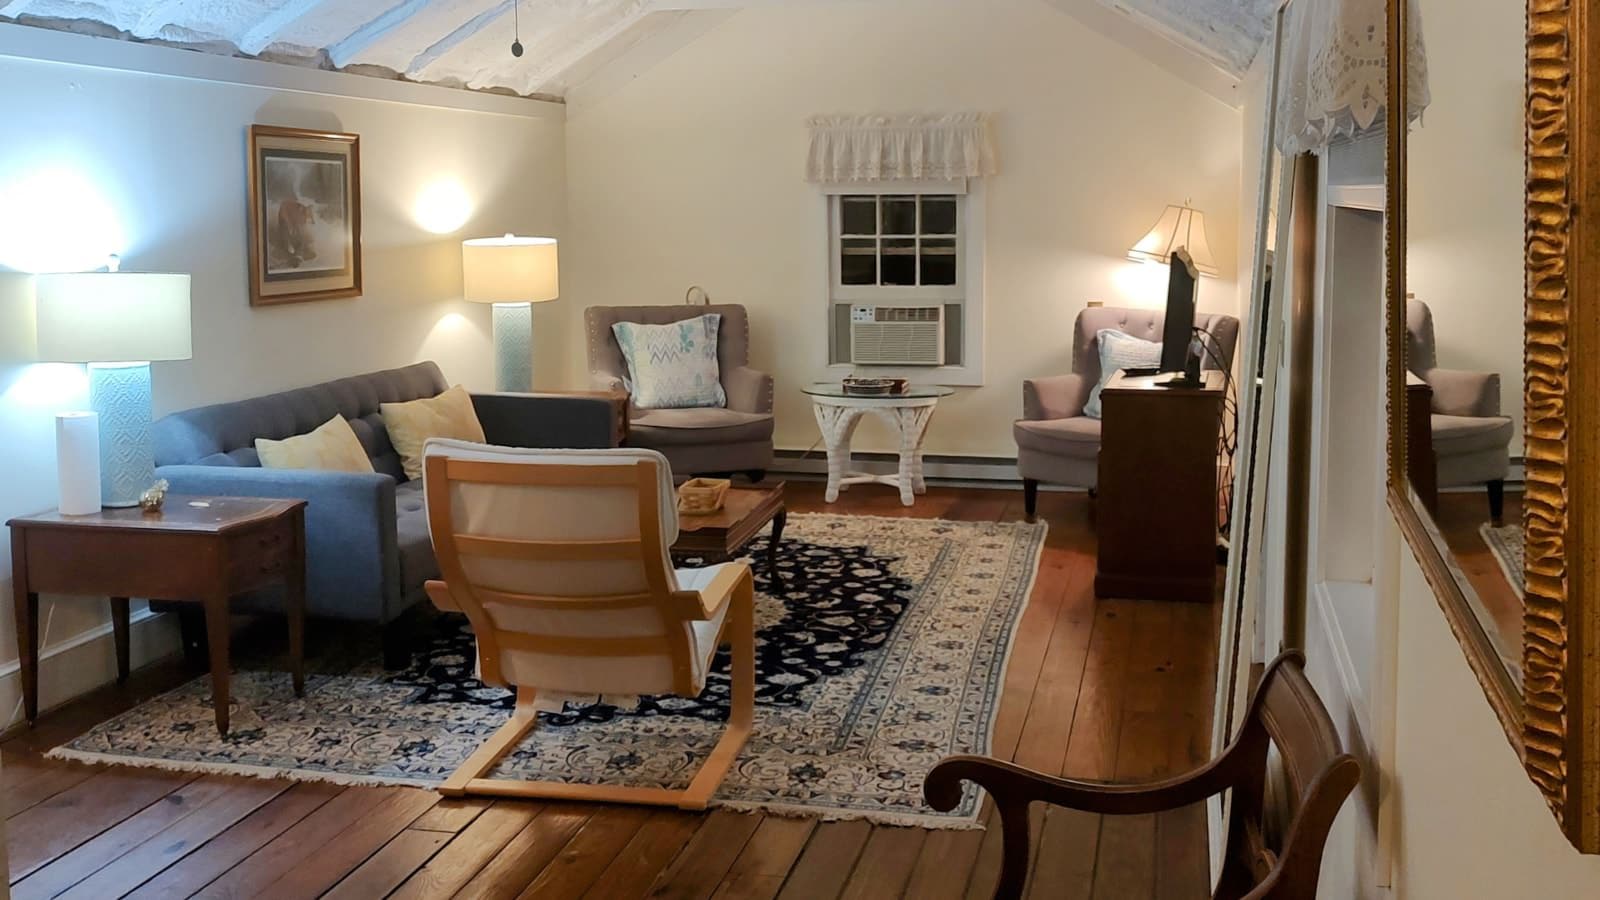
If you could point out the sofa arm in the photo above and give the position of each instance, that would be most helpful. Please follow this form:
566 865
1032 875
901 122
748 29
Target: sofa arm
1056 397
1459 393
549 421
352 559
748 390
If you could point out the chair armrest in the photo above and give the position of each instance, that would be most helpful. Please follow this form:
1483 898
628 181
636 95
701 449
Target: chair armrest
352 555
443 600
1460 393
1010 784
1056 397
547 421
748 390
721 589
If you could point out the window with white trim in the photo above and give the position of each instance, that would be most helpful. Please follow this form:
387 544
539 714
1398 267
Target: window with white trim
904 253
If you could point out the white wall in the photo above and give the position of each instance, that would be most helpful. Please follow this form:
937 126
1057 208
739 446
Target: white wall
156 168
691 173
1464 242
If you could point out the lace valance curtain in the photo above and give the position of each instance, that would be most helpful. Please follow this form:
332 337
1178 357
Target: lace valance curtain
847 149
1335 76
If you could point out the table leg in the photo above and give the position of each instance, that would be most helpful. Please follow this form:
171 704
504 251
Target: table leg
912 423
295 602
778 521
838 423
217 638
25 607
119 631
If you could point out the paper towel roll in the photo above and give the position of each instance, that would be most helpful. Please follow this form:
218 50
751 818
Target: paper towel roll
78 462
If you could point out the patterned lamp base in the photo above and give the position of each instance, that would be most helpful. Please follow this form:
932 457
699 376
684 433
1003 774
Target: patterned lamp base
513 347
120 394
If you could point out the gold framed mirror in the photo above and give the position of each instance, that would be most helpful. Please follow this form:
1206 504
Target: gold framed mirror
1492 478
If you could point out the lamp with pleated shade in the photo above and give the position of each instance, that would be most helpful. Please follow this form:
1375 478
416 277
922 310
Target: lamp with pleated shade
513 273
1179 226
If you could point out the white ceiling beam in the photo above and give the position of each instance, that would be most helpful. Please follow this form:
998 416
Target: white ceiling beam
559 63
264 32
13 8
344 52
155 18
450 41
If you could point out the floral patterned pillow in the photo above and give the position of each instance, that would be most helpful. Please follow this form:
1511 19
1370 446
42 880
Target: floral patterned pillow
673 366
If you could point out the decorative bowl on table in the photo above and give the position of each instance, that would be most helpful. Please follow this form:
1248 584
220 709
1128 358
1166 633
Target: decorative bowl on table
874 387
702 496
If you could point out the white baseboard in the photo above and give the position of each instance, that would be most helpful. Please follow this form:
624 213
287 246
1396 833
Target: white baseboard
86 661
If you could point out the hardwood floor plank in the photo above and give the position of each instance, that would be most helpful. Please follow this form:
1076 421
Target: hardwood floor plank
658 842
450 869
528 852
885 863
178 840
27 780
696 871
1064 861
759 871
825 865
327 860
584 857
250 834
104 848
76 815
453 814
389 867
944 865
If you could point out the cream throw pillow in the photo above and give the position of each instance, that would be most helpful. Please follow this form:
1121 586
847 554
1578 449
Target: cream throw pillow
333 446
449 415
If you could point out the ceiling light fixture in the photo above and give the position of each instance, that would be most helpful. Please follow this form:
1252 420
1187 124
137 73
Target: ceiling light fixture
516 26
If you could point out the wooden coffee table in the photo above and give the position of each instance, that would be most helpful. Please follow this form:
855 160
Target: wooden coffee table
724 534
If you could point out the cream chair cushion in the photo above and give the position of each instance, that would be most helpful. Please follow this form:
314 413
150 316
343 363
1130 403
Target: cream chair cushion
331 446
411 424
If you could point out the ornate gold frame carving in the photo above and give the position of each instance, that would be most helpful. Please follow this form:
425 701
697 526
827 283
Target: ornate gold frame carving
1547 717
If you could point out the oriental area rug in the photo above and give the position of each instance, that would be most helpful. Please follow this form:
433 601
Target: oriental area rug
882 648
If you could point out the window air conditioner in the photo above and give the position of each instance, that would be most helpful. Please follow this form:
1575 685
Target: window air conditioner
897 335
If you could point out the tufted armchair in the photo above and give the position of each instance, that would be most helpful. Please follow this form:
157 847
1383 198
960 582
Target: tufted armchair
559 560
737 438
1471 439
1056 442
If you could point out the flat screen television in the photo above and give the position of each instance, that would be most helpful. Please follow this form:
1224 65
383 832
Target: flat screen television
1182 281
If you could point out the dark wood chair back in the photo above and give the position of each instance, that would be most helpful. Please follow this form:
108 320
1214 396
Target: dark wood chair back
1259 861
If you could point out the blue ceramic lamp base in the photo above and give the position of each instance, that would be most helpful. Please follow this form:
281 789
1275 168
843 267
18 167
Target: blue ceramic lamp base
513 347
120 394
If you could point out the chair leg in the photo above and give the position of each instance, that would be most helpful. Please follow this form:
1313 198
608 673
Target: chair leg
483 759
741 633
1497 500
1030 497
756 476
396 645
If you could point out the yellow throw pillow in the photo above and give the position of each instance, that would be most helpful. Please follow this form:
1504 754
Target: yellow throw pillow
449 415
333 446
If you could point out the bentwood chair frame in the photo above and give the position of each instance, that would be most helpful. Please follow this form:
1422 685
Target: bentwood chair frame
1284 711
732 585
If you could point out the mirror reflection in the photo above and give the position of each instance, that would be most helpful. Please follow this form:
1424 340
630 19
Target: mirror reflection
1464 308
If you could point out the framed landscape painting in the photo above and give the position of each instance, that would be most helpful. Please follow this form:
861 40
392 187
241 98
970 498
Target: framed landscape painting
305 215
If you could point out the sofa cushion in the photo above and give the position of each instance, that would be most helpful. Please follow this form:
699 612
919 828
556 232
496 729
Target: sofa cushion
698 426
1078 436
673 366
1455 435
1119 351
411 424
417 562
331 446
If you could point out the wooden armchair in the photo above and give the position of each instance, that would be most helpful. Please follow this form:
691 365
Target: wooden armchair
1284 711
559 560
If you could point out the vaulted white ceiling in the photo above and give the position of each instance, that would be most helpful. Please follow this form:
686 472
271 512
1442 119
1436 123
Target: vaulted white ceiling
467 43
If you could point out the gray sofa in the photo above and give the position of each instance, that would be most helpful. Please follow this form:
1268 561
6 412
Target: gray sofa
1056 442
368 551
736 438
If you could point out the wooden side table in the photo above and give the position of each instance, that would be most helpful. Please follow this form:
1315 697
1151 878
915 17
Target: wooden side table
197 549
1156 512
722 535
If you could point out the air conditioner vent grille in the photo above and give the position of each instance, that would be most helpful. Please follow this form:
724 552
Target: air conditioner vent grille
897 335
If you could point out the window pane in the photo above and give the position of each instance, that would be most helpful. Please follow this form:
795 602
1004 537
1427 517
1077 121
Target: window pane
938 215
939 261
899 215
859 215
858 261
899 261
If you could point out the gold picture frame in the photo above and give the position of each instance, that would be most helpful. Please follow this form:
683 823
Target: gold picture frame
1551 716
305 215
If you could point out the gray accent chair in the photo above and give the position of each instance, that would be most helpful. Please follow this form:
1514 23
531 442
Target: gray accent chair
1056 442
368 553
737 438
1471 439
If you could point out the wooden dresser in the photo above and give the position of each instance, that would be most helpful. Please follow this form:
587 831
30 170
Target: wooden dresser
1156 515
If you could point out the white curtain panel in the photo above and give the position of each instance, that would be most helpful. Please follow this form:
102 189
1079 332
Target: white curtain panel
1335 73
847 149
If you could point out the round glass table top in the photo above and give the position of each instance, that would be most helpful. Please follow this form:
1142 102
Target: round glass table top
913 392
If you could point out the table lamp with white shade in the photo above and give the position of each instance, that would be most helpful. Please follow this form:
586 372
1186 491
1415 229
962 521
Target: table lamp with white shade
513 273
118 323
1180 227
